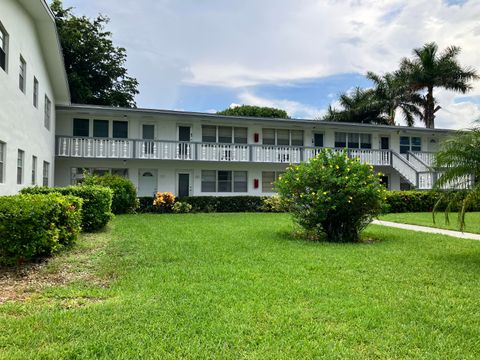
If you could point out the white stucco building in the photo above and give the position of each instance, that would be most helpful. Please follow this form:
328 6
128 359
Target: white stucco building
46 140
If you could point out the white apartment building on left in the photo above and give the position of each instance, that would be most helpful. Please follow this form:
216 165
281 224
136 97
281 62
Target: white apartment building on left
32 82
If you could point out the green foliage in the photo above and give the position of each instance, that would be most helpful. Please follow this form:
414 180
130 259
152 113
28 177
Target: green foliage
458 162
255 111
124 199
224 203
95 67
430 69
181 208
410 201
97 203
37 225
272 204
332 195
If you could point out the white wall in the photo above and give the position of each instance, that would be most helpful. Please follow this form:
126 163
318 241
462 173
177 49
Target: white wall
21 124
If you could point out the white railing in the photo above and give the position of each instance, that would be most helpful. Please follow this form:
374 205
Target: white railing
426 180
95 148
223 152
417 163
164 150
427 157
373 157
276 154
402 165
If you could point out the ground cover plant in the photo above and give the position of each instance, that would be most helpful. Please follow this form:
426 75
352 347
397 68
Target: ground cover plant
472 220
241 285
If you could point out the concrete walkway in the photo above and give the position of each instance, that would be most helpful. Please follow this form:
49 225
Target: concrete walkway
427 229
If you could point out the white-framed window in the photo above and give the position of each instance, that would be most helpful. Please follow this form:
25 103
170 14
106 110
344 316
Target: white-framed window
3 48
410 143
101 128
282 137
224 181
353 140
22 74
268 178
224 134
81 127
48 112
20 166
35 92
3 154
34 170
78 173
46 173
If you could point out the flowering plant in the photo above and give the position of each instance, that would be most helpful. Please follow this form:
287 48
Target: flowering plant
164 201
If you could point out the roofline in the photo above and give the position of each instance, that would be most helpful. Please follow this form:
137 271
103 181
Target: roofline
145 111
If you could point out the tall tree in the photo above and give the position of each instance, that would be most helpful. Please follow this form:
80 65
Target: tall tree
430 69
95 67
459 163
255 111
357 106
391 93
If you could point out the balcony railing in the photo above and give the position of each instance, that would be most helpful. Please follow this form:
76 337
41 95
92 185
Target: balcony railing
176 150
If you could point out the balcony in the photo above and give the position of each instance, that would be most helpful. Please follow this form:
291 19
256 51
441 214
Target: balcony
98 148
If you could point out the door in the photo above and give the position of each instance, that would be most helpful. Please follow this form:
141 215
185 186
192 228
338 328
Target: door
385 143
147 182
184 136
318 140
183 184
148 133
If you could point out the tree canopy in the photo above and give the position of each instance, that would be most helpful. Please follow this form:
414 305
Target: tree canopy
255 111
95 67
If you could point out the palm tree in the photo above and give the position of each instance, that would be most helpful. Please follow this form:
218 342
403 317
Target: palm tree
357 106
429 69
392 93
459 163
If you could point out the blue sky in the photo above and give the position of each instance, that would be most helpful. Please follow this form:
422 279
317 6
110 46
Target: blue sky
293 54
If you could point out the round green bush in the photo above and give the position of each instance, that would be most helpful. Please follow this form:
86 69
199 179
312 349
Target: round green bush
332 195
124 199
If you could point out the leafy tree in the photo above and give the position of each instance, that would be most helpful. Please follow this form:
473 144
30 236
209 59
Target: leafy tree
458 162
255 111
332 195
95 67
358 106
391 93
430 69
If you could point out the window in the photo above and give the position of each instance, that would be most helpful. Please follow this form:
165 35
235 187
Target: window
318 140
20 161
100 128
224 134
35 92
224 181
120 172
2 162
268 178
408 143
46 172
353 140
78 173
81 127
3 48
22 75
282 137
120 129
34 170
48 112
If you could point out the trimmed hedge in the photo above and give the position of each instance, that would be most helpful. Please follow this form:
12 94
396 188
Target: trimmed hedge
97 203
397 202
124 199
37 225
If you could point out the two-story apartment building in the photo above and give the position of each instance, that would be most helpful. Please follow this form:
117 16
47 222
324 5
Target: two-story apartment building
44 140
32 83
205 154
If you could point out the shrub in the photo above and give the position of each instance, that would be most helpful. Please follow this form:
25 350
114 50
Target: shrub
97 202
164 202
181 208
332 195
225 203
272 204
124 199
37 225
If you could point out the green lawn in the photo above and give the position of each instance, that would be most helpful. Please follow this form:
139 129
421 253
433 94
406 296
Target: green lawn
239 286
472 220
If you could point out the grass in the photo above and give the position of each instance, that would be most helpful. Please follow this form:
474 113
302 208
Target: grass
239 286
472 220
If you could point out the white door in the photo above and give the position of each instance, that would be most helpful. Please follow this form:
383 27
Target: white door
147 182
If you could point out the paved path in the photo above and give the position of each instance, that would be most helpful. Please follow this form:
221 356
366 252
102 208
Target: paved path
427 229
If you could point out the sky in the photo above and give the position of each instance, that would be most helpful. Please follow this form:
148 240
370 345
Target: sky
298 55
